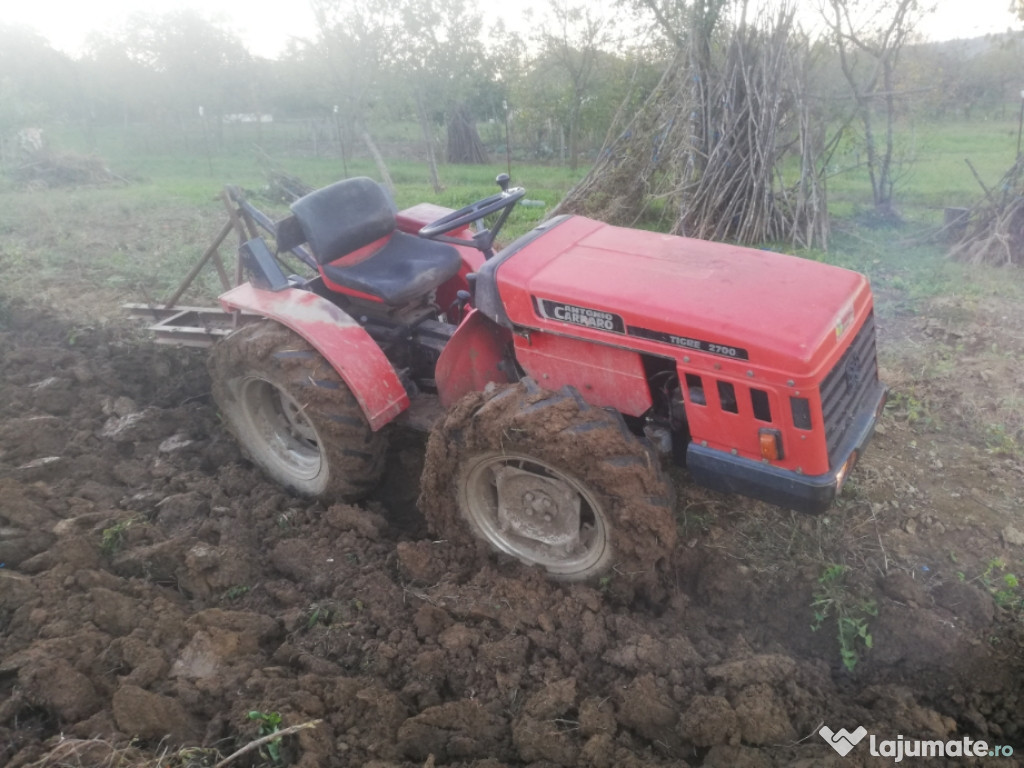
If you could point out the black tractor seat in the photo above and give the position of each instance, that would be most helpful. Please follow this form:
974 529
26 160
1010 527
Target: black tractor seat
351 228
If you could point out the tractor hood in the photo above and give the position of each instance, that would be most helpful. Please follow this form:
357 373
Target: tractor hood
639 289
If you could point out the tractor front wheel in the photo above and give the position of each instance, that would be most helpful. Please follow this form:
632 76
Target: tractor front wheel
293 415
550 480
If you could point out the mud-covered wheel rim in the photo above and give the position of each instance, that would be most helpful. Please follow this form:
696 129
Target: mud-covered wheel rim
534 511
279 422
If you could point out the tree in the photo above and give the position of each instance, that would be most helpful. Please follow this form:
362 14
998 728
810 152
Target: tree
118 86
544 101
418 56
963 78
167 66
869 39
577 37
443 65
354 39
37 83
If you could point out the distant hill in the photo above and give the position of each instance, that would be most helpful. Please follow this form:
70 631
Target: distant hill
968 48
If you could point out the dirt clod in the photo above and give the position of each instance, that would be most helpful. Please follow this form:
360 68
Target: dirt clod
151 716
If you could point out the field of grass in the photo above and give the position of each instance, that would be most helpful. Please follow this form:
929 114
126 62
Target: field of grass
188 164
138 237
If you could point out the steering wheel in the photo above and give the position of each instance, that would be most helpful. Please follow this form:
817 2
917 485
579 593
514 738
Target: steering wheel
502 201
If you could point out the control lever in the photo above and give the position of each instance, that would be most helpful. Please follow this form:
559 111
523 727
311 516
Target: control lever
462 298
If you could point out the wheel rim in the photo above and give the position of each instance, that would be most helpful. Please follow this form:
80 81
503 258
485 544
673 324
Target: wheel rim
532 510
288 437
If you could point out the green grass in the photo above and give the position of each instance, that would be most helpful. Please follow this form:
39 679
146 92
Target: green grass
932 173
187 168
833 600
136 240
141 237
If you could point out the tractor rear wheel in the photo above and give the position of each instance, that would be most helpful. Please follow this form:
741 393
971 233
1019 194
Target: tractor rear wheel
550 480
293 415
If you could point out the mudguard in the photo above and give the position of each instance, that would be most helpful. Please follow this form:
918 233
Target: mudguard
472 358
341 340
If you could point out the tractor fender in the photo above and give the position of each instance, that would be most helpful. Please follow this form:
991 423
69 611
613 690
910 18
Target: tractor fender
472 358
345 344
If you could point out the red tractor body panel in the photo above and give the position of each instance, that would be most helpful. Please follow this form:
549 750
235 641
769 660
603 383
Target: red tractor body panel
748 329
356 357
472 359
413 219
784 307
606 376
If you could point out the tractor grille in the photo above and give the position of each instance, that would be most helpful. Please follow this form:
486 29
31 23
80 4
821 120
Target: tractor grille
844 389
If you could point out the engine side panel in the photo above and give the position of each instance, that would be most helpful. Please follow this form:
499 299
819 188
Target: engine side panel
341 340
608 377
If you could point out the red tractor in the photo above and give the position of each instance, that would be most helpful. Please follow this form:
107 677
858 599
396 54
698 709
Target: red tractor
556 375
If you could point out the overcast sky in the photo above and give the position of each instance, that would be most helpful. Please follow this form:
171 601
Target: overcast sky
266 27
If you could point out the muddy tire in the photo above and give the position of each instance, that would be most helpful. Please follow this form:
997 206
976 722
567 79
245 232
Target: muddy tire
550 480
293 415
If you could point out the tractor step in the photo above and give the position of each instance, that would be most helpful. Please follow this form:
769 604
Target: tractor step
189 326
423 413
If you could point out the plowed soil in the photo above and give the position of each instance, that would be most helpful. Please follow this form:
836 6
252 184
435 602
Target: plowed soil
155 589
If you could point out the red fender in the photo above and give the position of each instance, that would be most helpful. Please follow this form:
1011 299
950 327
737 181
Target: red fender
472 358
341 340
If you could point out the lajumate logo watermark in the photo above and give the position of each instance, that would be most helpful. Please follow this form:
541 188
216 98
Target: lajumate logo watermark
844 741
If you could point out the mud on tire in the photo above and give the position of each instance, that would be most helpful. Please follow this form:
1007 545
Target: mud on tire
293 415
504 461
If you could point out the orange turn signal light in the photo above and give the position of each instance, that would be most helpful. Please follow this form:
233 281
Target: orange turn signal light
844 471
771 444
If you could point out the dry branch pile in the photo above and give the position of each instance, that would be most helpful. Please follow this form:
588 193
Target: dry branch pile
995 227
47 169
707 146
284 187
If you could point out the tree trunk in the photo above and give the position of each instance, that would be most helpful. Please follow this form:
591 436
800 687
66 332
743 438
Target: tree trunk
428 143
574 137
382 168
890 128
464 144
